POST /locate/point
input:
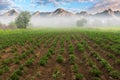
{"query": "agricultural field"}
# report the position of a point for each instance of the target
(59, 54)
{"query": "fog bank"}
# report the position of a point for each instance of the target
(66, 21)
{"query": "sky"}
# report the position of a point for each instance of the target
(74, 6)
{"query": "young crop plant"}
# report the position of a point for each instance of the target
(1, 71)
(55, 74)
(5, 68)
(117, 61)
(96, 78)
(106, 65)
(17, 61)
(95, 72)
(13, 49)
(29, 62)
(49, 55)
(61, 51)
(51, 51)
(14, 76)
(43, 61)
(80, 47)
(24, 55)
(7, 61)
(72, 58)
(70, 49)
(111, 56)
(115, 74)
(79, 76)
(17, 73)
(75, 68)
(90, 63)
(60, 59)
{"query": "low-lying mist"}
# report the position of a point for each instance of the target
(66, 21)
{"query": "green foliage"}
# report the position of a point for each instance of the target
(55, 74)
(115, 74)
(96, 78)
(61, 51)
(80, 47)
(106, 65)
(17, 61)
(79, 76)
(71, 49)
(29, 62)
(1, 71)
(60, 59)
(75, 68)
(118, 61)
(43, 61)
(111, 56)
(14, 76)
(72, 58)
(95, 72)
(23, 19)
(6, 62)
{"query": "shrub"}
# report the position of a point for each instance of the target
(60, 59)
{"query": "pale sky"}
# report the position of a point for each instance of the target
(51, 5)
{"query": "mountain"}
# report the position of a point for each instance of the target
(61, 12)
(12, 12)
(37, 13)
(44, 14)
(117, 13)
(82, 13)
(106, 13)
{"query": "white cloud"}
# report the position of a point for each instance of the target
(58, 2)
(105, 4)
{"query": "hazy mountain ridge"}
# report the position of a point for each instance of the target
(11, 12)
(61, 12)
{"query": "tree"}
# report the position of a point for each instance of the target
(23, 19)
(81, 22)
